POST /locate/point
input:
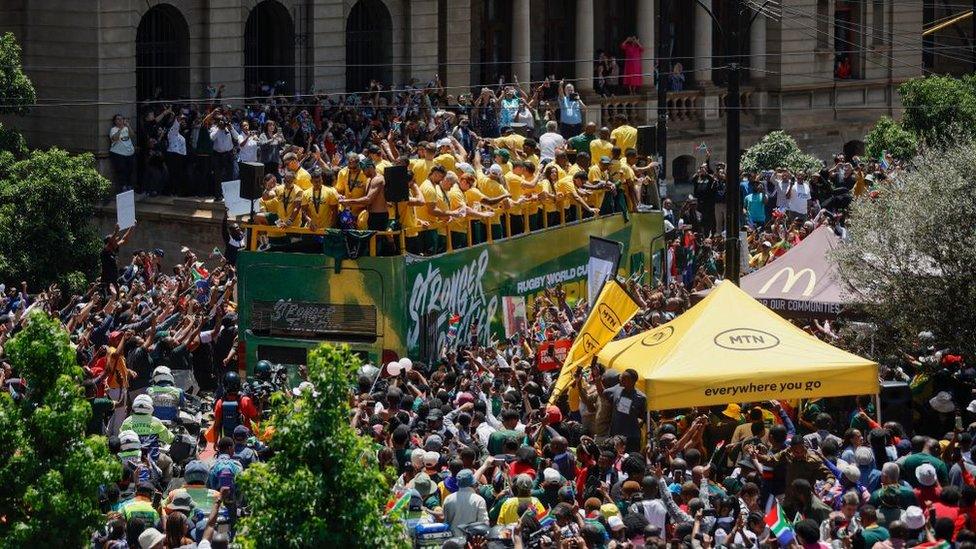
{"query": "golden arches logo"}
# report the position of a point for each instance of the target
(792, 277)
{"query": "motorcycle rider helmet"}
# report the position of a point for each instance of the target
(232, 382)
(142, 404)
(129, 441)
(162, 374)
(262, 370)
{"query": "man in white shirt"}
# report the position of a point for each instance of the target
(784, 182)
(465, 506)
(223, 148)
(175, 152)
(550, 141)
(799, 197)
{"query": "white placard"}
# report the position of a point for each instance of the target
(125, 209)
(232, 198)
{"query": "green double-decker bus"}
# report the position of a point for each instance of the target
(389, 307)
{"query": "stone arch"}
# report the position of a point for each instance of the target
(269, 48)
(162, 54)
(369, 45)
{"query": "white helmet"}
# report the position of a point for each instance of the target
(129, 440)
(143, 404)
(163, 374)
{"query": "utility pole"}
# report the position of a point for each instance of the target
(664, 52)
(733, 202)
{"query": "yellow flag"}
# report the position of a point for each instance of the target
(612, 309)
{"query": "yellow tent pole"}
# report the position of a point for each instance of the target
(952, 21)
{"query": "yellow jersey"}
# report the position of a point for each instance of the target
(514, 184)
(456, 199)
(625, 137)
(421, 169)
(303, 179)
(352, 186)
(491, 189)
(600, 148)
(286, 200)
(595, 200)
(322, 205)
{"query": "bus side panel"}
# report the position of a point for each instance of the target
(312, 279)
(467, 287)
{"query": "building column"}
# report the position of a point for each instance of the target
(757, 48)
(703, 45)
(224, 48)
(521, 45)
(646, 24)
(584, 45)
(423, 39)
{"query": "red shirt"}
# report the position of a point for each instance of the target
(246, 407)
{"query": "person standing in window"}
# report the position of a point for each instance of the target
(121, 152)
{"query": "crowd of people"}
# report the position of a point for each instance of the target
(476, 456)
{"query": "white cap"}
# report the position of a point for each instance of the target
(431, 459)
(551, 475)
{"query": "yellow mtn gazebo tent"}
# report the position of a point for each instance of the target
(731, 348)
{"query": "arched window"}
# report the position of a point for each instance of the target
(269, 49)
(854, 147)
(162, 55)
(369, 46)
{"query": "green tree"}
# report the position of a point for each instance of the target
(939, 108)
(47, 201)
(16, 90)
(50, 471)
(319, 489)
(911, 254)
(888, 135)
(775, 150)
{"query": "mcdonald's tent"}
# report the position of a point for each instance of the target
(801, 283)
(731, 348)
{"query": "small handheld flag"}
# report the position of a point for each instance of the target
(779, 525)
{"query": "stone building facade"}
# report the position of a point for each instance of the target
(91, 59)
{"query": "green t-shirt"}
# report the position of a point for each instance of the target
(581, 143)
(101, 409)
(496, 440)
(874, 534)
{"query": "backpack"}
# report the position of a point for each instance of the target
(230, 417)
(225, 478)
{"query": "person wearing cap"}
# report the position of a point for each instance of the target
(195, 476)
(924, 454)
(351, 182)
(522, 496)
(426, 488)
(320, 203)
(465, 506)
(449, 153)
(151, 538)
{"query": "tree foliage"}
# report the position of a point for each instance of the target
(49, 470)
(911, 255)
(938, 109)
(776, 150)
(16, 90)
(888, 135)
(47, 201)
(318, 490)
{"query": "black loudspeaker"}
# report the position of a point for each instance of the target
(896, 403)
(647, 140)
(252, 176)
(395, 187)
